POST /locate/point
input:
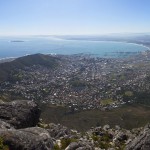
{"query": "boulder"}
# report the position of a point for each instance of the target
(142, 142)
(58, 131)
(121, 136)
(80, 146)
(106, 127)
(34, 138)
(72, 146)
(20, 113)
(4, 125)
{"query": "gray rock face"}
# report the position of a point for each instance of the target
(58, 131)
(121, 136)
(4, 125)
(34, 138)
(80, 146)
(142, 142)
(106, 127)
(72, 146)
(23, 114)
(20, 113)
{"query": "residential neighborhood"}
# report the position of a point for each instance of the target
(82, 82)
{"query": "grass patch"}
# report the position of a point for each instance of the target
(107, 102)
(127, 116)
(128, 93)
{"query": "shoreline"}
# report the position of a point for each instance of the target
(7, 59)
(111, 41)
(148, 48)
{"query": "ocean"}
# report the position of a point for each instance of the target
(21, 46)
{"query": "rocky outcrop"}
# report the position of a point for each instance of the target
(17, 131)
(142, 142)
(58, 131)
(34, 138)
(20, 113)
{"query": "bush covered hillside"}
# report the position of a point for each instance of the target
(8, 68)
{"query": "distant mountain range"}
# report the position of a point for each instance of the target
(139, 38)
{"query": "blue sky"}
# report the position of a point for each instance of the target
(54, 17)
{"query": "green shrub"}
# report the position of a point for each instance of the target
(2, 145)
(56, 147)
(66, 142)
(102, 141)
(104, 145)
(95, 138)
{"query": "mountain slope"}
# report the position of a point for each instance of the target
(27, 61)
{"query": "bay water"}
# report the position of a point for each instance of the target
(20, 46)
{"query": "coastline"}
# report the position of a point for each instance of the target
(7, 59)
(114, 41)
(147, 48)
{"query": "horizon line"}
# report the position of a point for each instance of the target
(103, 34)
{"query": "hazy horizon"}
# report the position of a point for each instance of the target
(104, 34)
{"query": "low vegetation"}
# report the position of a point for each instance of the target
(127, 116)
(2, 145)
(129, 93)
(107, 102)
